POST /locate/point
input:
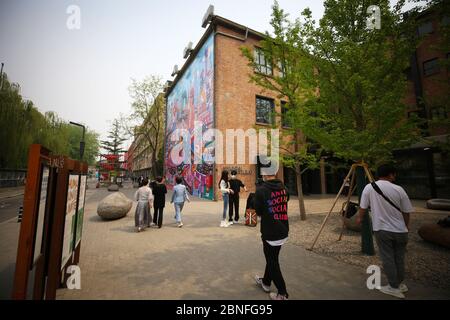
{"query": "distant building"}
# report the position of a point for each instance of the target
(140, 152)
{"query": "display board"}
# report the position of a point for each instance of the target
(69, 226)
(80, 211)
(40, 219)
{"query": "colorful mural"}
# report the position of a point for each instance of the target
(192, 101)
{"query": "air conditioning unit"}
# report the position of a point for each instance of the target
(208, 16)
(175, 70)
(187, 50)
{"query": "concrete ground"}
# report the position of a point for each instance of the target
(199, 261)
(203, 261)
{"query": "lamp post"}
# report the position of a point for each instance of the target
(1, 77)
(82, 143)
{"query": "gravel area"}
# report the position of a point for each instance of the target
(425, 263)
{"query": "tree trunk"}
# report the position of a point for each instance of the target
(366, 225)
(299, 142)
(301, 200)
(154, 168)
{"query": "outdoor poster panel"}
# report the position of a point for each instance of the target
(41, 214)
(80, 211)
(69, 226)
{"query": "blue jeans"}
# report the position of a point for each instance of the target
(178, 208)
(226, 200)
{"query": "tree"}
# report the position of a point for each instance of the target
(357, 111)
(22, 124)
(147, 118)
(113, 146)
(291, 80)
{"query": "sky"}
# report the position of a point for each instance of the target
(84, 74)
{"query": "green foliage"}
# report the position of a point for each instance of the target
(359, 113)
(345, 83)
(115, 139)
(22, 124)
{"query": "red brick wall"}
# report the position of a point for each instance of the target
(235, 96)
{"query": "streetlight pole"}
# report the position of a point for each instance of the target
(1, 77)
(82, 143)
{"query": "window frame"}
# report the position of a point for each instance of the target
(272, 105)
(267, 66)
(434, 71)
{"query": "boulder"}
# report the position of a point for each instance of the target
(113, 188)
(436, 234)
(114, 206)
(439, 204)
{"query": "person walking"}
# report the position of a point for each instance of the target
(179, 196)
(235, 185)
(224, 186)
(159, 193)
(391, 209)
(144, 198)
(271, 204)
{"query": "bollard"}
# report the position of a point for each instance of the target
(19, 217)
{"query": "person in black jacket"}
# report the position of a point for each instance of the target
(271, 204)
(159, 193)
(235, 185)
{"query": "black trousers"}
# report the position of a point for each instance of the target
(158, 216)
(234, 207)
(273, 271)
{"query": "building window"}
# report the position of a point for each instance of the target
(431, 67)
(264, 110)
(284, 119)
(281, 69)
(262, 64)
(439, 113)
(425, 28)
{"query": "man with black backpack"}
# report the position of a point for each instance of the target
(391, 208)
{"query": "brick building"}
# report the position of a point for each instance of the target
(425, 167)
(213, 89)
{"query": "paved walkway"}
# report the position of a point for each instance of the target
(6, 193)
(203, 261)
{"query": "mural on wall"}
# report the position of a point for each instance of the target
(190, 102)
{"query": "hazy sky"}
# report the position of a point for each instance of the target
(84, 75)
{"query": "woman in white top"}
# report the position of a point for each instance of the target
(144, 198)
(224, 186)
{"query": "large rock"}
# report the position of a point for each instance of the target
(114, 206)
(113, 187)
(439, 204)
(436, 234)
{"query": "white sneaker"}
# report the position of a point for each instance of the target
(224, 224)
(392, 292)
(180, 225)
(277, 296)
(403, 288)
(230, 223)
(259, 282)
